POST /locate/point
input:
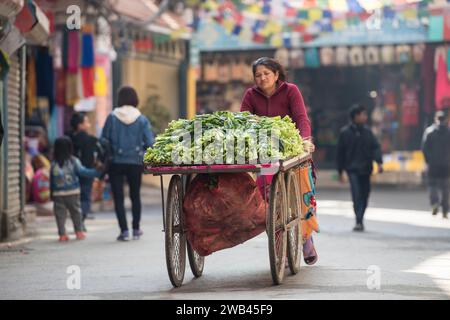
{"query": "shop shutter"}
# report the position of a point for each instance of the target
(14, 190)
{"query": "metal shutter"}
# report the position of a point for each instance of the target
(13, 199)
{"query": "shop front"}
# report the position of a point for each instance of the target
(13, 37)
(387, 61)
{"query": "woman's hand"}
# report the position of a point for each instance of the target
(308, 146)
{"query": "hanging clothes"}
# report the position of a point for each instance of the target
(410, 106)
(87, 50)
(428, 78)
(442, 81)
(31, 85)
(57, 43)
(448, 62)
(88, 78)
(72, 95)
(73, 52)
(60, 87)
(44, 76)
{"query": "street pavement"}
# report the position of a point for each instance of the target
(404, 254)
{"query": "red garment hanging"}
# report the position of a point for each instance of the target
(442, 82)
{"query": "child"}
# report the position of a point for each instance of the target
(65, 186)
(84, 148)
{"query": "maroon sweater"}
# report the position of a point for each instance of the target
(286, 101)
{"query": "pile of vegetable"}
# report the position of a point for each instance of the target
(218, 131)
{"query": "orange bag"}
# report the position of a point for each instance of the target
(309, 206)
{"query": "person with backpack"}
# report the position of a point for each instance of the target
(129, 134)
(65, 172)
(85, 149)
(436, 149)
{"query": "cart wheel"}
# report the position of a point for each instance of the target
(175, 237)
(276, 228)
(196, 261)
(293, 212)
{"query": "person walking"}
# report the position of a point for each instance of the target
(65, 171)
(130, 134)
(84, 148)
(357, 149)
(436, 149)
(273, 96)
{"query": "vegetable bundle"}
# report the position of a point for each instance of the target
(225, 137)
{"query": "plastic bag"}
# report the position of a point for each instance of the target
(222, 211)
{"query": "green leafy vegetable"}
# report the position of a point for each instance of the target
(250, 137)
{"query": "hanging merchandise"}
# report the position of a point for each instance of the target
(210, 70)
(410, 106)
(297, 58)
(101, 82)
(87, 50)
(72, 95)
(247, 70)
(73, 52)
(372, 55)
(31, 85)
(356, 56)
(312, 58)
(388, 54)
(223, 71)
(88, 78)
(442, 80)
(436, 28)
(390, 103)
(448, 62)
(403, 54)
(418, 52)
(342, 56)
(60, 87)
(236, 69)
(57, 50)
(86, 105)
(327, 56)
(282, 56)
(428, 78)
(44, 76)
(447, 26)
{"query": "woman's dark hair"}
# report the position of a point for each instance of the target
(76, 120)
(271, 64)
(356, 110)
(62, 150)
(127, 96)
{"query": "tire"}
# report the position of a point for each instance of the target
(293, 212)
(276, 228)
(175, 238)
(196, 261)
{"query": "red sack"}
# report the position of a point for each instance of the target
(222, 211)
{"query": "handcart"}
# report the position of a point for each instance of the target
(283, 215)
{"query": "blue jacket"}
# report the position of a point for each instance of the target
(64, 181)
(129, 134)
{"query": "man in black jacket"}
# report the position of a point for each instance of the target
(357, 149)
(436, 149)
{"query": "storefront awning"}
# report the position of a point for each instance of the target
(140, 11)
